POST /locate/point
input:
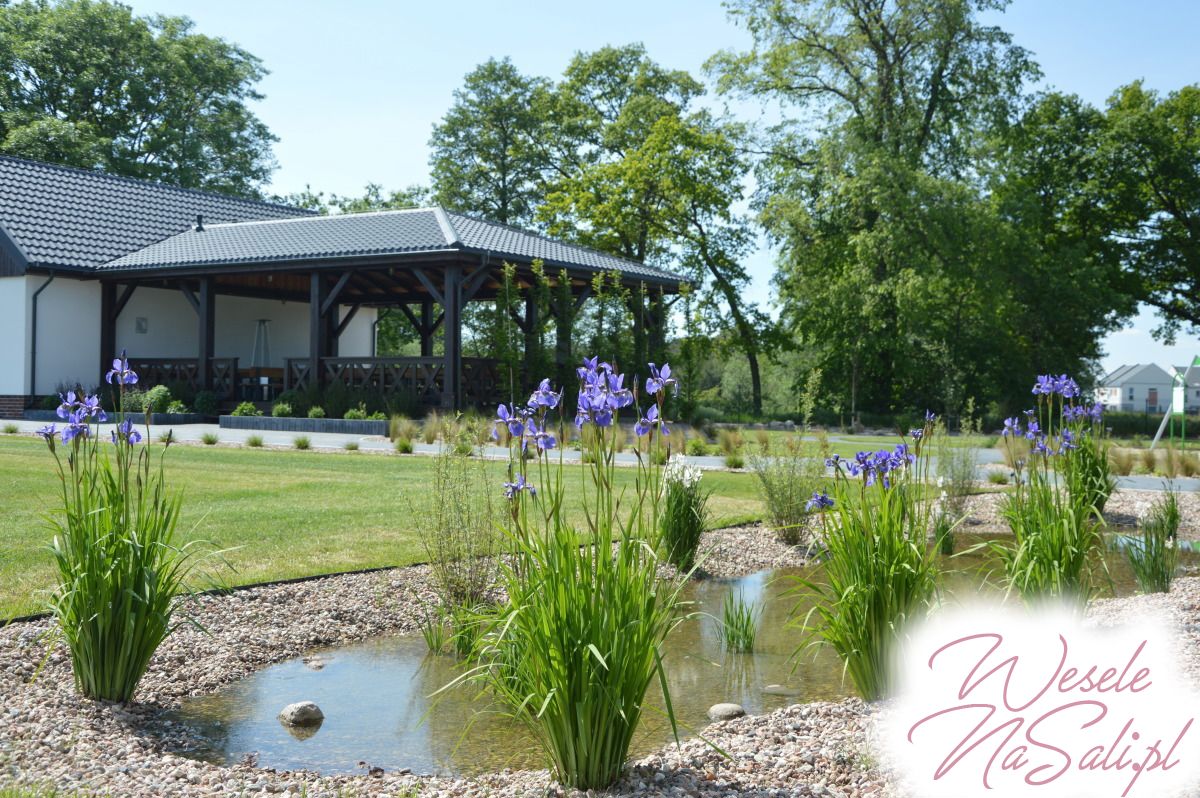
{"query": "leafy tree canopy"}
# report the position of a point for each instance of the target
(86, 83)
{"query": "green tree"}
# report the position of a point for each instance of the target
(1151, 154)
(88, 84)
(487, 156)
(864, 185)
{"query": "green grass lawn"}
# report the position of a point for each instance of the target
(280, 513)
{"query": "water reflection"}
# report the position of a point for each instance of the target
(383, 707)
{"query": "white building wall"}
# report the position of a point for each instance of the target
(68, 336)
(170, 328)
(14, 355)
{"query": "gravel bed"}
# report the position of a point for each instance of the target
(1123, 510)
(51, 736)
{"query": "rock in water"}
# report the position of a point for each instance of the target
(725, 711)
(302, 713)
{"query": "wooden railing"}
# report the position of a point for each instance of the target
(421, 377)
(186, 371)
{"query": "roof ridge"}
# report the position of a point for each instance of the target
(381, 212)
(443, 220)
(556, 241)
(154, 183)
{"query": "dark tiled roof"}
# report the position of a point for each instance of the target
(72, 218)
(365, 235)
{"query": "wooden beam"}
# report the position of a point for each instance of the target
(472, 285)
(123, 300)
(206, 306)
(452, 332)
(334, 293)
(108, 327)
(430, 287)
(316, 327)
(345, 322)
(189, 296)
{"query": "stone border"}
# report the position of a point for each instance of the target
(137, 418)
(341, 426)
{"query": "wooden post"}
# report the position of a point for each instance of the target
(658, 326)
(206, 327)
(452, 335)
(317, 330)
(108, 328)
(426, 328)
(533, 341)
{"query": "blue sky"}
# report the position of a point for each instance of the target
(355, 86)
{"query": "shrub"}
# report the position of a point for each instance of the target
(458, 525)
(281, 410)
(734, 460)
(156, 400)
(176, 407)
(956, 465)
(763, 439)
(404, 446)
(1056, 532)
(205, 403)
(1153, 555)
(730, 441)
(685, 512)
(998, 477)
(1150, 460)
(943, 529)
(1087, 467)
(350, 446)
(696, 447)
(378, 415)
(880, 574)
(166, 436)
(432, 428)
(254, 441)
(580, 638)
(301, 442)
(247, 409)
(120, 569)
(316, 411)
(1189, 464)
(738, 626)
(209, 439)
(11, 429)
(402, 427)
(1122, 461)
(356, 413)
(787, 476)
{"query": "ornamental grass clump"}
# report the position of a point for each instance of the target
(737, 628)
(580, 639)
(1152, 555)
(684, 512)
(120, 569)
(788, 474)
(880, 575)
(1053, 512)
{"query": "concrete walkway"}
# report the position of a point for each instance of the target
(330, 441)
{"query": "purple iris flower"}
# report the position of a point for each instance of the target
(48, 432)
(68, 405)
(930, 416)
(77, 426)
(511, 419)
(1068, 441)
(1095, 412)
(660, 379)
(819, 501)
(544, 396)
(917, 433)
(1012, 426)
(649, 422)
(120, 372)
(832, 462)
(1040, 446)
(126, 433)
(1033, 430)
(541, 438)
(513, 489)
(91, 407)
(1068, 387)
(1045, 385)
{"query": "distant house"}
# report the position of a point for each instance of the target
(244, 299)
(1192, 390)
(1140, 388)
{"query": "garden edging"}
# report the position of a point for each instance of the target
(343, 426)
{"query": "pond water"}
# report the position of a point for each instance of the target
(381, 711)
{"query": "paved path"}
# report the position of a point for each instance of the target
(193, 433)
